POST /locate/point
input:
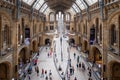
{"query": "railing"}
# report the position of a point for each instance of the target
(8, 55)
(5, 52)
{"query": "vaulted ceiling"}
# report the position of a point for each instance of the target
(60, 5)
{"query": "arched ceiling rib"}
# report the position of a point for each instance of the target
(43, 5)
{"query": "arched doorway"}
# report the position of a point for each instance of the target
(71, 42)
(97, 62)
(4, 71)
(115, 71)
(22, 58)
(47, 41)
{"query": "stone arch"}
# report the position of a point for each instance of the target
(114, 70)
(5, 32)
(97, 55)
(113, 15)
(8, 16)
(5, 72)
(22, 56)
(97, 60)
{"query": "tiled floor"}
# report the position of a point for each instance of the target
(47, 63)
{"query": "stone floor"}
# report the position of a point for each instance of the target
(49, 63)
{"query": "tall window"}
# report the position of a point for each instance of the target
(59, 14)
(97, 30)
(51, 27)
(19, 34)
(83, 28)
(67, 16)
(33, 28)
(100, 33)
(6, 37)
(56, 17)
(52, 17)
(113, 34)
(23, 28)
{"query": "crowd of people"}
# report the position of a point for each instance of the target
(47, 74)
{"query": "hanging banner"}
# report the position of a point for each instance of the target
(92, 36)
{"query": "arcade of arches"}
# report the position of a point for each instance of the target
(91, 26)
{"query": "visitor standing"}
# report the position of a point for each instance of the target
(42, 73)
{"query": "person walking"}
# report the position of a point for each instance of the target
(90, 73)
(48, 54)
(77, 59)
(75, 78)
(77, 65)
(45, 72)
(50, 73)
(73, 70)
(37, 70)
(29, 77)
(46, 78)
(74, 55)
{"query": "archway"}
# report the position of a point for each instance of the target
(114, 70)
(4, 71)
(97, 55)
(47, 41)
(22, 57)
(97, 62)
(71, 41)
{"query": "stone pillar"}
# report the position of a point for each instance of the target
(15, 54)
(105, 37)
(0, 35)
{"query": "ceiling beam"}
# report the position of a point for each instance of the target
(33, 3)
(45, 9)
(74, 9)
(42, 5)
(77, 6)
(86, 3)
